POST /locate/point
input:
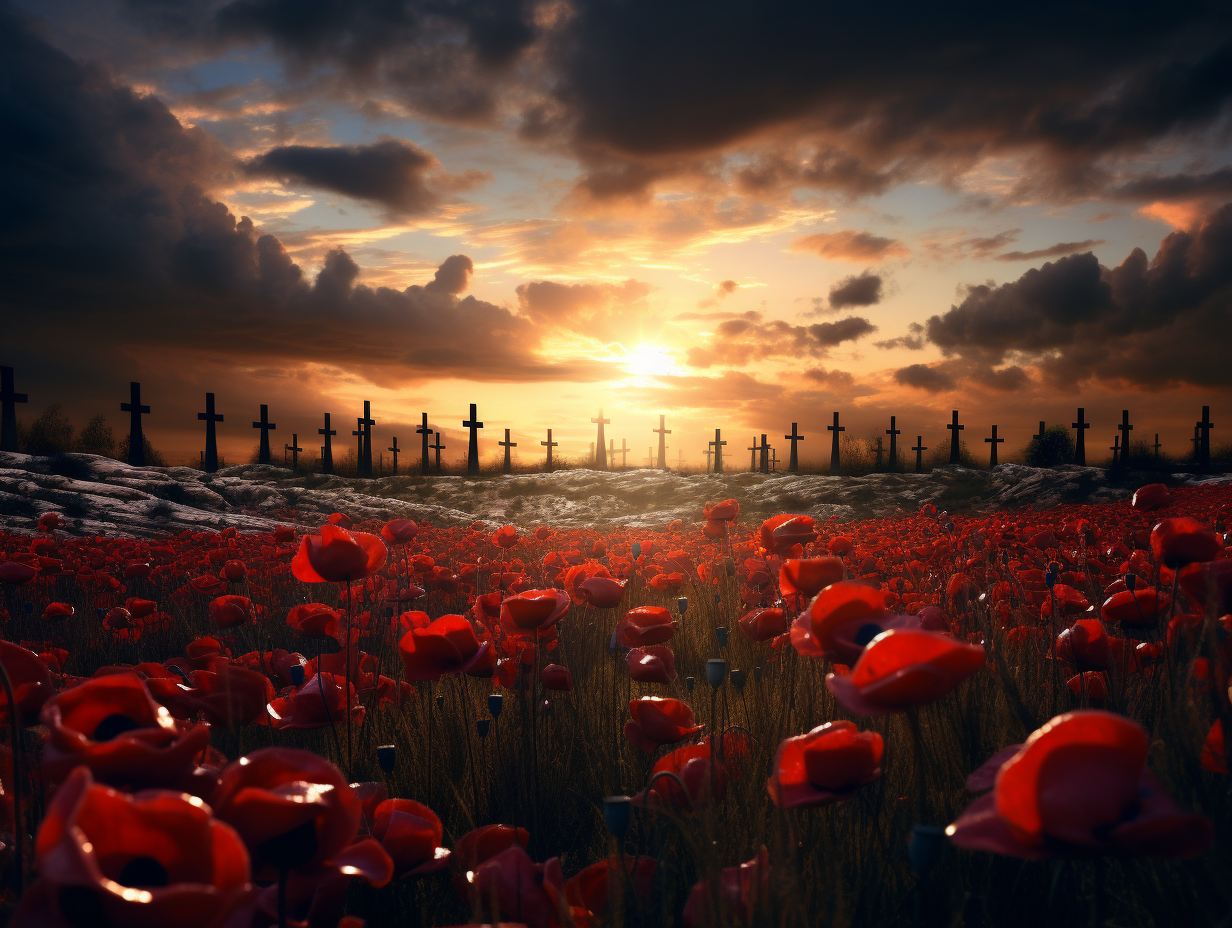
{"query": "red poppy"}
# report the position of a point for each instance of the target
(1086, 645)
(411, 834)
(229, 695)
(57, 611)
(474, 847)
(314, 620)
(338, 555)
(524, 891)
(742, 890)
(140, 608)
(340, 519)
(533, 610)
(691, 766)
(654, 663)
(399, 531)
(153, 859)
(229, 611)
(657, 720)
(847, 615)
(601, 592)
(824, 766)
(1151, 496)
(1092, 683)
(645, 625)
(447, 645)
(505, 537)
(809, 576)
(1214, 755)
(902, 668)
(234, 571)
(1208, 585)
(113, 726)
(556, 677)
(587, 893)
(1079, 786)
(31, 680)
(726, 511)
(49, 521)
(1138, 607)
(782, 533)
(1183, 540)
(763, 624)
(323, 699)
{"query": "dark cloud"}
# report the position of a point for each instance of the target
(745, 339)
(830, 379)
(1148, 322)
(1215, 184)
(725, 287)
(849, 245)
(389, 173)
(912, 342)
(924, 377)
(857, 290)
(454, 276)
(1052, 251)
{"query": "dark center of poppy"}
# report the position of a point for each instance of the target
(144, 872)
(867, 633)
(115, 725)
(291, 849)
(80, 907)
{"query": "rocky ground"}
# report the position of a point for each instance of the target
(98, 495)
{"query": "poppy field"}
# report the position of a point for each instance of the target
(1012, 718)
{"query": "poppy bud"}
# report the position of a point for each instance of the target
(618, 814)
(717, 599)
(481, 727)
(682, 604)
(1131, 581)
(495, 702)
(297, 675)
(636, 550)
(440, 702)
(27, 608)
(738, 679)
(721, 634)
(689, 683)
(757, 672)
(949, 526)
(924, 847)
(386, 757)
(716, 670)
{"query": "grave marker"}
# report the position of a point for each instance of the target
(263, 456)
(136, 439)
(210, 461)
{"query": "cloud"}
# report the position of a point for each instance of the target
(723, 390)
(1052, 251)
(1217, 184)
(830, 379)
(739, 341)
(726, 287)
(912, 342)
(849, 245)
(925, 377)
(857, 290)
(603, 311)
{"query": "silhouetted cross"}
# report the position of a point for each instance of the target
(835, 466)
(954, 428)
(266, 427)
(394, 450)
(994, 441)
(295, 449)
(211, 437)
(136, 439)
(793, 463)
(8, 420)
(600, 449)
(662, 432)
(327, 450)
(549, 444)
(919, 450)
(472, 452)
(507, 444)
(1080, 444)
(425, 432)
(893, 432)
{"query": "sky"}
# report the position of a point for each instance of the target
(736, 215)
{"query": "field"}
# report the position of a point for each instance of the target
(490, 679)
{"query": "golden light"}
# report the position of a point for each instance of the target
(648, 359)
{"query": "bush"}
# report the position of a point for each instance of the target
(97, 438)
(153, 457)
(1052, 449)
(51, 433)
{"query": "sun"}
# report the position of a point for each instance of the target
(646, 359)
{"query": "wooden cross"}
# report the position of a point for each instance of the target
(1080, 444)
(624, 455)
(679, 459)
(136, 439)
(663, 433)
(879, 451)
(366, 423)
(295, 449)
(394, 449)
(793, 463)
(472, 451)
(1040, 437)
(211, 437)
(1156, 444)
(994, 441)
(954, 428)
(425, 432)
(835, 467)
(358, 435)
(1115, 448)
(600, 448)
(893, 432)
(8, 421)
(752, 449)
(718, 444)
(1125, 428)
(650, 458)
(549, 444)
(774, 460)
(439, 448)
(919, 450)
(266, 427)
(763, 461)
(327, 449)
(507, 444)
(709, 452)
(611, 451)
(1204, 448)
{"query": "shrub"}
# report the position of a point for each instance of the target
(51, 433)
(1052, 449)
(97, 438)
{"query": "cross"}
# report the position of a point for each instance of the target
(211, 438)
(327, 450)
(650, 458)
(1195, 441)
(600, 448)
(136, 440)
(295, 449)
(439, 448)
(774, 460)
(366, 423)
(358, 435)
(394, 450)
(1040, 437)
(752, 449)
(954, 428)
(679, 459)
(994, 441)
(663, 432)
(266, 427)
(1080, 446)
(880, 451)
(709, 452)
(834, 461)
(8, 423)
(793, 463)
(1115, 449)
(624, 455)
(763, 462)
(919, 450)
(1124, 428)
(611, 451)
(1156, 444)
(507, 444)
(1204, 448)
(549, 444)
(718, 451)
(425, 432)
(592, 453)
(893, 432)
(472, 452)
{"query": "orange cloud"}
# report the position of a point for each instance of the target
(850, 245)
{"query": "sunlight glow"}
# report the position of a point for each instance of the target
(650, 359)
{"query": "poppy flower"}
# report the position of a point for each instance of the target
(1092, 683)
(763, 624)
(657, 720)
(49, 521)
(846, 616)
(447, 645)
(505, 537)
(340, 519)
(234, 571)
(645, 625)
(533, 610)
(140, 608)
(824, 766)
(809, 576)
(292, 808)
(314, 620)
(587, 893)
(691, 766)
(523, 891)
(399, 531)
(1079, 786)
(1139, 607)
(1183, 540)
(1086, 645)
(742, 890)
(57, 611)
(726, 511)
(113, 726)
(338, 555)
(654, 663)
(322, 699)
(15, 573)
(601, 592)
(411, 834)
(902, 668)
(31, 680)
(1151, 496)
(556, 677)
(230, 611)
(474, 847)
(1214, 755)
(149, 860)
(1208, 585)
(229, 696)
(780, 534)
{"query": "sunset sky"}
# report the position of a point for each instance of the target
(737, 215)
